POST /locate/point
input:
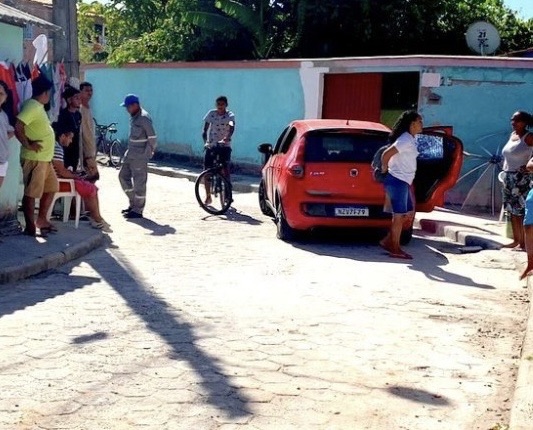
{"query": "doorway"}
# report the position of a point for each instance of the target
(377, 97)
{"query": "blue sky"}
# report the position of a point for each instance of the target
(525, 7)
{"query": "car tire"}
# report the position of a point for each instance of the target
(284, 231)
(407, 236)
(263, 205)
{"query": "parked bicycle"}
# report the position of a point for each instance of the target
(213, 189)
(107, 145)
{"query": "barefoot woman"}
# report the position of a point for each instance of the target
(516, 153)
(399, 161)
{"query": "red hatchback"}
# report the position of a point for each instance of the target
(319, 175)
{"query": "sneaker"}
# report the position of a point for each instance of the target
(125, 211)
(133, 215)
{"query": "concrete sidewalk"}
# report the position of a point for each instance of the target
(23, 256)
(241, 183)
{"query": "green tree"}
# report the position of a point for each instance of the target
(272, 26)
(187, 30)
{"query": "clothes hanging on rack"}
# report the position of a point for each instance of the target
(7, 75)
(23, 83)
(19, 78)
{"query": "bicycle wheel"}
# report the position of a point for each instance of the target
(115, 153)
(213, 192)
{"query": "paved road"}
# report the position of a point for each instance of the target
(194, 322)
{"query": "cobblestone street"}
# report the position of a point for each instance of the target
(189, 321)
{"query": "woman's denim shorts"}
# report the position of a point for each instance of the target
(399, 195)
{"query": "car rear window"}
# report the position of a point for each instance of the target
(343, 147)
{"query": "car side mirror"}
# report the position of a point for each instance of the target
(265, 149)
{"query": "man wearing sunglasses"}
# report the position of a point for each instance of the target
(219, 125)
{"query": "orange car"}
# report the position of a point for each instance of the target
(319, 175)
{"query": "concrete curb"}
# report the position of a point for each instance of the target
(51, 261)
(240, 187)
(468, 236)
(522, 407)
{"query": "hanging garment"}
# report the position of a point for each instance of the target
(41, 49)
(7, 75)
(23, 84)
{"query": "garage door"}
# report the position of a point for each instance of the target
(352, 96)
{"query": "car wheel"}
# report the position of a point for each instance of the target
(263, 205)
(407, 236)
(284, 231)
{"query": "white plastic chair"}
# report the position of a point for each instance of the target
(67, 197)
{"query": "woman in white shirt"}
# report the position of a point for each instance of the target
(516, 181)
(399, 162)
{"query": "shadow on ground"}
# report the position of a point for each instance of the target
(234, 215)
(428, 253)
(14, 298)
(155, 228)
(418, 396)
(162, 319)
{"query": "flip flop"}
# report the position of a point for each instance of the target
(47, 230)
(402, 256)
(385, 247)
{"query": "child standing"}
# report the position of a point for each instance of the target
(6, 130)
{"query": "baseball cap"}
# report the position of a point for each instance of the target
(130, 100)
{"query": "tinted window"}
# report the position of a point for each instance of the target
(280, 140)
(342, 147)
(288, 141)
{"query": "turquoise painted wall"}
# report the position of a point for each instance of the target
(479, 102)
(11, 38)
(263, 100)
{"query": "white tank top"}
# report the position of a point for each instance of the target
(516, 153)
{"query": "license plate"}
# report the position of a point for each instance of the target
(352, 212)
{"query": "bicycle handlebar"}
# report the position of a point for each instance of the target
(101, 126)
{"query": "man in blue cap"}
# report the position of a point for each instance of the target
(141, 147)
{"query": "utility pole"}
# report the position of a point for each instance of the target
(65, 15)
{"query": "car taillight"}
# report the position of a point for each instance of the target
(297, 170)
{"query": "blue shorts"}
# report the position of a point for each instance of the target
(528, 218)
(399, 195)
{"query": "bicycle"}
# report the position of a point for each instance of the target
(107, 145)
(220, 197)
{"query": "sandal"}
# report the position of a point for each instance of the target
(102, 225)
(401, 255)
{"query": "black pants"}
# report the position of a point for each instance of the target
(211, 153)
(72, 156)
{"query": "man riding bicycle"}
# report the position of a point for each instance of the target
(219, 125)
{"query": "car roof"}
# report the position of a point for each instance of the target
(325, 124)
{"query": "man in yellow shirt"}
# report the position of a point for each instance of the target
(36, 135)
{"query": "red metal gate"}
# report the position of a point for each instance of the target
(352, 96)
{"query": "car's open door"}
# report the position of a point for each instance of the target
(439, 166)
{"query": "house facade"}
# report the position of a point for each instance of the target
(475, 95)
(12, 24)
(38, 8)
